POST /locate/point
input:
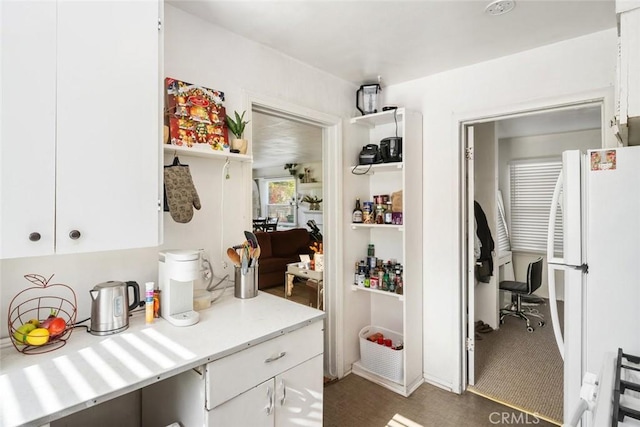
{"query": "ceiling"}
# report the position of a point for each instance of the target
(277, 140)
(361, 41)
(400, 40)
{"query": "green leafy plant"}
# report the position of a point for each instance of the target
(291, 167)
(310, 199)
(236, 127)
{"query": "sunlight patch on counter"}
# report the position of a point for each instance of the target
(152, 353)
(11, 410)
(128, 360)
(102, 368)
(169, 344)
(74, 378)
(46, 394)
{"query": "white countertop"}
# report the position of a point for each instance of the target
(89, 369)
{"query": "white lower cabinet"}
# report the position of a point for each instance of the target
(275, 383)
(293, 398)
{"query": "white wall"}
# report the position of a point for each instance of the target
(197, 52)
(547, 75)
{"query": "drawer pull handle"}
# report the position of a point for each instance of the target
(284, 393)
(269, 408)
(274, 358)
(35, 236)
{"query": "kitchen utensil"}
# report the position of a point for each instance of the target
(110, 306)
(255, 256)
(245, 261)
(251, 238)
(233, 256)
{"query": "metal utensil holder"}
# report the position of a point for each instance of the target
(246, 285)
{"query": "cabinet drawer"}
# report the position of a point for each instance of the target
(234, 374)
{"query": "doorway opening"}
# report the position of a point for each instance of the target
(324, 133)
(509, 168)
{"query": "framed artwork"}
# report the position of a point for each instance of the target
(196, 115)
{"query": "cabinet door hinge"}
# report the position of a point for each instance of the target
(159, 24)
(470, 344)
(159, 205)
(468, 153)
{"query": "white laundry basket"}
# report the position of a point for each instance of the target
(380, 359)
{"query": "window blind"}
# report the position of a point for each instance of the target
(504, 245)
(532, 184)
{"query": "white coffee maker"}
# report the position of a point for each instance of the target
(178, 269)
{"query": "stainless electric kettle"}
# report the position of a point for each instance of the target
(110, 306)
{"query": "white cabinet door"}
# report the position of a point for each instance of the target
(255, 408)
(299, 395)
(27, 128)
(107, 125)
(293, 398)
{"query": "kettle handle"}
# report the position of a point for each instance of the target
(358, 92)
(136, 294)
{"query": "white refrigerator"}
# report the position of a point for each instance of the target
(598, 194)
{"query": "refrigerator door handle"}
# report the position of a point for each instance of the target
(553, 306)
(552, 265)
(551, 231)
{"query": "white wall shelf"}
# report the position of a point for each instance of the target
(203, 150)
(377, 119)
(393, 226)
(377, 291)
(402, 313)
(309, 185)
(376, 168)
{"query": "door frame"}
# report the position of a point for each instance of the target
(603, 97)
(332, 213)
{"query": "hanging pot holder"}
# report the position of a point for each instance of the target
(180, 193)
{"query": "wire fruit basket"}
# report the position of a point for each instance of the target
(42, 317)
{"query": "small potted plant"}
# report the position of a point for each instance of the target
(291, 167)
(236, 127)
(314, 202)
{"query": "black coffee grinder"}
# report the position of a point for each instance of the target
(391, 149)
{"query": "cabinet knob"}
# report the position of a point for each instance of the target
(35, 236)
(74, 234)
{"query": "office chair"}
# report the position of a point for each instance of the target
(520, 289)
(259, 224)
(271, 224)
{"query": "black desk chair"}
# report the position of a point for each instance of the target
(520, 289)
(271, 224)
(259, 224)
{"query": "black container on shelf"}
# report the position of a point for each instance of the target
(391, 149)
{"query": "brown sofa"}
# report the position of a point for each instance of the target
(277, 249)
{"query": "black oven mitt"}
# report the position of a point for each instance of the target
(180, 193)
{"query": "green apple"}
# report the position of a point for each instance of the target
(21, 333)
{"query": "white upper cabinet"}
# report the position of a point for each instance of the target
(628, 90)
(80, 126)
(27, 128)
